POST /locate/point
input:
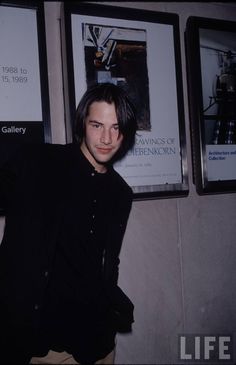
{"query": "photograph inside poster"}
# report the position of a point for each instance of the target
(115, 54)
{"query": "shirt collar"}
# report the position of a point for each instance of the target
(88, 168)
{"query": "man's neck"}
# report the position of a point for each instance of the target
(100, 168)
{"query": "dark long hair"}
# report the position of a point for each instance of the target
(125, 111)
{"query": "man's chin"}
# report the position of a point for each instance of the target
(104, 157)
(103, 161)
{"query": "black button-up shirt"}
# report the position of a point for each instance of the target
(75, 283)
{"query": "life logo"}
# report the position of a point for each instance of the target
(207, 349)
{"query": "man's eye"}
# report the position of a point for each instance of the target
(116, 127)
(96, 125)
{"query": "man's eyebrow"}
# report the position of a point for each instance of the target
(96, 121)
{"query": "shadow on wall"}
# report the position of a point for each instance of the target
(2, 223)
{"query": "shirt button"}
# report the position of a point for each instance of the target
(46, 273)
(95, 200)
(93, 174)
(93, 216)
(91, 231)
(36, 307)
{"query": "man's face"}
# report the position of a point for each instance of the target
(102, 138)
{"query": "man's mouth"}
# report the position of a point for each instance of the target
(104, 150)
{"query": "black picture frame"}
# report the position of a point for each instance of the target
(211, 73)
(134, 32)
(24, 93)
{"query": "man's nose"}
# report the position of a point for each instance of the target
(106, 136)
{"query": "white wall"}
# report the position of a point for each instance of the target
(178, 256)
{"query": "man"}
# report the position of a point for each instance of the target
(66, 214)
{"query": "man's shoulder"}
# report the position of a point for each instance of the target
(47, 151)
(120, 184)
(53, 149)
(34, 149)
(43, 156)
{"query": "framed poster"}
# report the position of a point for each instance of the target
(211, 63)
(24, 99)
(139, 50)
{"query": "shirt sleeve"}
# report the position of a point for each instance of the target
(116, 234)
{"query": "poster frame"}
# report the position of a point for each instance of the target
(156, 190)
(198, 30)
(36, 131)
